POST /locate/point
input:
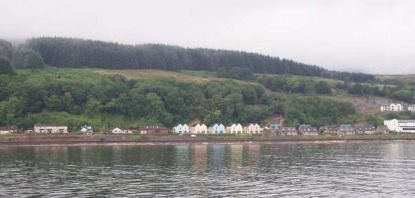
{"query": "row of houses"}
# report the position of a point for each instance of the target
(397, 107)
(63, 129)
(278, 129)
(349, 129)
(304, 129)
(38, 128)
(145, 130)
(342, 129)
(59, 129)
(407, 126)
(218, 128)
(45, 129)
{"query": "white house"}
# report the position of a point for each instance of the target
(253, 128)
(8, 130)
(43, 128)
(411, 108)
(217, 129)
(235, 129)
(199, 129)
(405, 126)
(393, 107)
(117, 130)
(86, 129)
(181, 129)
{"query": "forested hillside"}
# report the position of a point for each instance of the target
(211, 92)
(79, 96)
(69, 52)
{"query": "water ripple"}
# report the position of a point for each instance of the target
(239, 170)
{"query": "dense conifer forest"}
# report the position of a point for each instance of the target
(69, 52)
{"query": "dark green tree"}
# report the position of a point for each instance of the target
(6, 49)
(28, 59)
(5, 66)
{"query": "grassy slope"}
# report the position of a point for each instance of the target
(311, 78)
(186, 75)
(405, 79)
(333, 82)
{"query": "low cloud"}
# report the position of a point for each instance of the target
(349, 35)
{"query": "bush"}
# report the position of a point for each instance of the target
(322, 88)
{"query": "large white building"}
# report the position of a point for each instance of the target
(393, 107)
(406, 126)
(43, 128)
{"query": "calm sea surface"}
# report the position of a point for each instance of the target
(372, 169)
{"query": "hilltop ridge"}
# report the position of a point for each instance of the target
(72, 52)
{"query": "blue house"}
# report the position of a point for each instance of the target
(217, 129)
(181, 129)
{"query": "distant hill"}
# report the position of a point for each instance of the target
(70, 52)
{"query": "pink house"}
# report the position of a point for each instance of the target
(253, 128)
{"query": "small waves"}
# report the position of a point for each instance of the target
(211, 170)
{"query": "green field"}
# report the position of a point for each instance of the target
(148, 74)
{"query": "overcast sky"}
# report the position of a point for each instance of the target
(375, 36)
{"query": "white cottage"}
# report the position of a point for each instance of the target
(86, 129)
(117, 130)
(411, 108)
(234, 129)
(199, 129)
(253, 128)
